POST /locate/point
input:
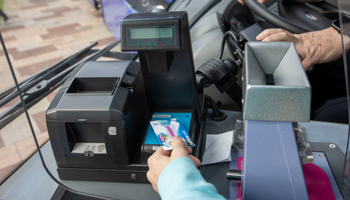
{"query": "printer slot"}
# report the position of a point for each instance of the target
(93, 85)
(83, 132)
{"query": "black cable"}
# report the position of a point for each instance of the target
(16, 110)
(213, 105)
(217, 115)
(223, 42)
(34, 136)
(199, 151)
(39, 76)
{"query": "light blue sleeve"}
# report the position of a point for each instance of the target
(181, 180)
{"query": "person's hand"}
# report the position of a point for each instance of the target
(161, 158)
(313, 47)
(273, 34)
(262, 2)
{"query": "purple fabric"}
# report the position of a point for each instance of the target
(114, 12)
(317, 183)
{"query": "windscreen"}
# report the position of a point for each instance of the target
(344, 22)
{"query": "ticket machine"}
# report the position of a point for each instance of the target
(99, 120)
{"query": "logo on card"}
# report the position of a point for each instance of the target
(155, 148)
(164, 123)
(155, 123)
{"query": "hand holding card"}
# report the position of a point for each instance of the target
(167, 129)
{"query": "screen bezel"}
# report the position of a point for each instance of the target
(146, 23)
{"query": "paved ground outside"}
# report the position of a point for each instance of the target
(38, 34)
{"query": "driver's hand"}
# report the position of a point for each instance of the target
(161, 158)
(262, 2)
(313, 47)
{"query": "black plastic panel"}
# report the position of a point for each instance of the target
(176, 20)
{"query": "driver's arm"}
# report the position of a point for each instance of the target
(313, 47)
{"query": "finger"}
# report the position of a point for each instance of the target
(283, 36)
(162, 152)
(150, 177)
(306, 63)
(152, 180)
(268, 32)
(189, 150)
(241, 2)
(262, 2)
(148, 174)
(195, 160)
(155, 187)
(149, 162)
(178, 148)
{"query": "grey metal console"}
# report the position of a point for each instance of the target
(31, 182)
(276, 92)
(275, 85)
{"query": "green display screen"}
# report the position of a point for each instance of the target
(151, 33)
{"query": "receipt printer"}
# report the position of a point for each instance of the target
(96, 121)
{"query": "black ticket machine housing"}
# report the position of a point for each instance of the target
(100, 117)
(164, 47)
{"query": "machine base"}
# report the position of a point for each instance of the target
(131, 174)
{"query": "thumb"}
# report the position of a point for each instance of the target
(306, 63)
(178, 148)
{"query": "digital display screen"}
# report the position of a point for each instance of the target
(151, 33)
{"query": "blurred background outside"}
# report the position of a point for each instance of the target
(37, 34)
(40, 33)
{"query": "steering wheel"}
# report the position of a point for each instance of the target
(307, 18)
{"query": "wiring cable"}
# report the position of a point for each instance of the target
(34, 136)
(223, 42)
(217, 115)
(224, 39)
